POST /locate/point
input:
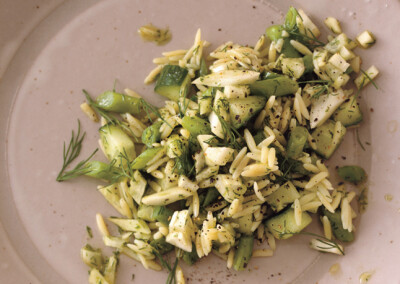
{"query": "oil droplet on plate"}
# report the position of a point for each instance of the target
(388, 197)
(334, 269)
(365, 277)
(392, 126)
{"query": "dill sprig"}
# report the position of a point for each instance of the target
(307, 40)
(89, 232)
(149, 108)
(107, 116)
(172, 270)
(369, 79)
(329, 244)
(70, 153)
(128, 172)
(231, 135)
(359, 141)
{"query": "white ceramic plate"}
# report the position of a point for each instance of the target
(50, 50)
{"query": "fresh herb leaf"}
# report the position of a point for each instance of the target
(107, 116)
(89, 231)
(330, 244)
(70, 153)
(231, 135)
(370, 79)
(359, 141)
(149, 108)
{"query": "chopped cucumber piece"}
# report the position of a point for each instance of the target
(92, 257)
(366, 39)
(283, 226)
(297, 142)
(366, 77)
(145, 212)
(327, 138)
(283, 196)
(349, 113)
(116, 143)
(279, 86)
(245, 223)
(354, 174)
(337, 227)
(196, 125)
(333, 24)
(243, 252)
(242, 110)
(229, 187)
(173, 83)
(324, 106)
(293, 67)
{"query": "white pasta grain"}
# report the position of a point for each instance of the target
(311, 168)
(316, 179)
(336, 200)
(132, 93)
(153, 74)
(264, 155)
(327, 228)
(89, 111)
(258, 192)
(325, 202)
(311, 206)
(237, 159)
(231, 256)
(297, 212)
(157, 164)
(101, 225)
(271, 240)
(125, 208)
(243, 163)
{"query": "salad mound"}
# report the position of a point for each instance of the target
(235, 156)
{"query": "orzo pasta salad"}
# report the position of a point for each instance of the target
(236, 155)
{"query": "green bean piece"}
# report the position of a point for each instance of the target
(288, 50)
(211, 196)
(101, 170)
(196, 125)
(190, 257)
(116, 102)
(140, 162)
(337, 226)
(152, 134)
(353, 174)
(297, 141)
(308, 63)
(290, 19)
(279, 86)
(274, 32)
(162, 214)
(243, 252)
(161, 246)
(203, 71)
